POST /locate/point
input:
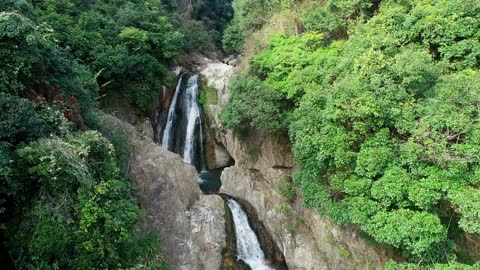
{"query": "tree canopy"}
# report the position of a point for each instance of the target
(64, 201)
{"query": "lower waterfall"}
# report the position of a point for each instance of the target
(248, 247)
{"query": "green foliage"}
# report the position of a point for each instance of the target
(250, 13)
(215, 14)
(22, 6)
(232, 40)
(283, 208)
(134, 38)
(208, 96)
(344, 252)
(117, 135)
(415, 232)
(392, 265)
(287, 190)
(291, 228)
(467, 201)
(287, 62)
(254, 103)
(334, 17)
(197, 37)
(449, 36)
(63, 201)
(22, 121)
(18, 51)
(129, 43)
(81, 215)
(151, 255)
(381, 103)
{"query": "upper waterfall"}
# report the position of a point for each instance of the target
(184, 132)
(194, 123)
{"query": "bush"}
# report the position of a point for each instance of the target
(197, 37)
(22, 121)
(19, 49)
(287, 189)
(232, 41)
(81, 214)
(415, 232)
(255, 104)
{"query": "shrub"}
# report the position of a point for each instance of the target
(287, 189)
(253, 103)
(232, 41)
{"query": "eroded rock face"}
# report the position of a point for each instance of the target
(208, 229)
(192, 225)
(216, 154)
(217, 74)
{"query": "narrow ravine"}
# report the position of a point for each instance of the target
(184, 134)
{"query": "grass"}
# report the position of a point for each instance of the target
(283, 208)
(344, 252)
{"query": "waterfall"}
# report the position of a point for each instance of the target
(248, 247)
(167, 132)
(184, 134)
(193, 120)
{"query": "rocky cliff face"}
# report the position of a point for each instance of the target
(192, 225)
(262, 165)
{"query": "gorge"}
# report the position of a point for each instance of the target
(184, 133)
(240, 134)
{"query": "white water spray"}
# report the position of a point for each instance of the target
(167, 133)
(248, 247)
(193, 119)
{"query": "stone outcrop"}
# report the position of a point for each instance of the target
(216, 154)
(262, 164)
(191, 224)
(216, 73)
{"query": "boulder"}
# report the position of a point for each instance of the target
(191, 224)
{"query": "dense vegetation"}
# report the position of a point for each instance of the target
(381, 103)
(64, 201)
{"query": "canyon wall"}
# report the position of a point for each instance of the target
(263, 164)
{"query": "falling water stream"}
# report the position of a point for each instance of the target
(167, 133)
(194, 120)
(184, 134)
(248, 247)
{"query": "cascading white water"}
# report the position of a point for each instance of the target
(248, 247)
(167, 133)
(193, 118)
